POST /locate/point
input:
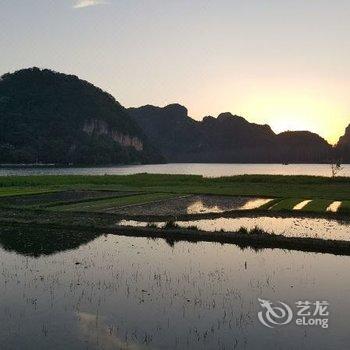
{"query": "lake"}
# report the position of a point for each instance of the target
(115, 292)
(207, 170)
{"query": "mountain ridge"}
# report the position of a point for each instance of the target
(226, 138)
(51, 117)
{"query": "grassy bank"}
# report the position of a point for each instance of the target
(310, 187)
(49, 238)
(108, 193)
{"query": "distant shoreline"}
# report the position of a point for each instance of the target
(59, 165)
(199, 169)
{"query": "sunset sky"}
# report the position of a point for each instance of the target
(281, 62)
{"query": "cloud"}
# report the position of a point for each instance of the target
(93, 327)
(85, 3)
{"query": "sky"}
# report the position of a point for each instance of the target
(285, 63)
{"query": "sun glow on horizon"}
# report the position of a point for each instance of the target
(320, 112)
(281, 63)
(317, 116)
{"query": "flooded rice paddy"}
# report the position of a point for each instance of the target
(198, 204)
(289, 227)
(115, 292)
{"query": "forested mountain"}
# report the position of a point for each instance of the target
(177, 136)
(51, 117)
(227, 138)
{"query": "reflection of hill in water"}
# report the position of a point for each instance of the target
(34, 241)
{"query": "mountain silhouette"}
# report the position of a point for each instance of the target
(51, 117)
(343, 147)
(227, 138)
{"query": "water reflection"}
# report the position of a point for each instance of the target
(254, 203)
(198, 204)
(98, 334)
(290, 227)
(33, 241)
(287, 226)
(302, 204)
(334, 207)
(137, 293)
(200, 207)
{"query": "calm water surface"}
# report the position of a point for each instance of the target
(289, 227)
(208, 170)
(115, 292)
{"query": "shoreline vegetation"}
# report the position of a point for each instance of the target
(111, 165)
(83, 203)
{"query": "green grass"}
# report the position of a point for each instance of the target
(287, 190)
(317, 205)
(311, 187)
(110, 203)
(344, 207)
(286, 204)
(23, 191)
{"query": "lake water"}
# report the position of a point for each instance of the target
(208, 170)
(115, 292)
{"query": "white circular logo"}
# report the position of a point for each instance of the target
(274, 315)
